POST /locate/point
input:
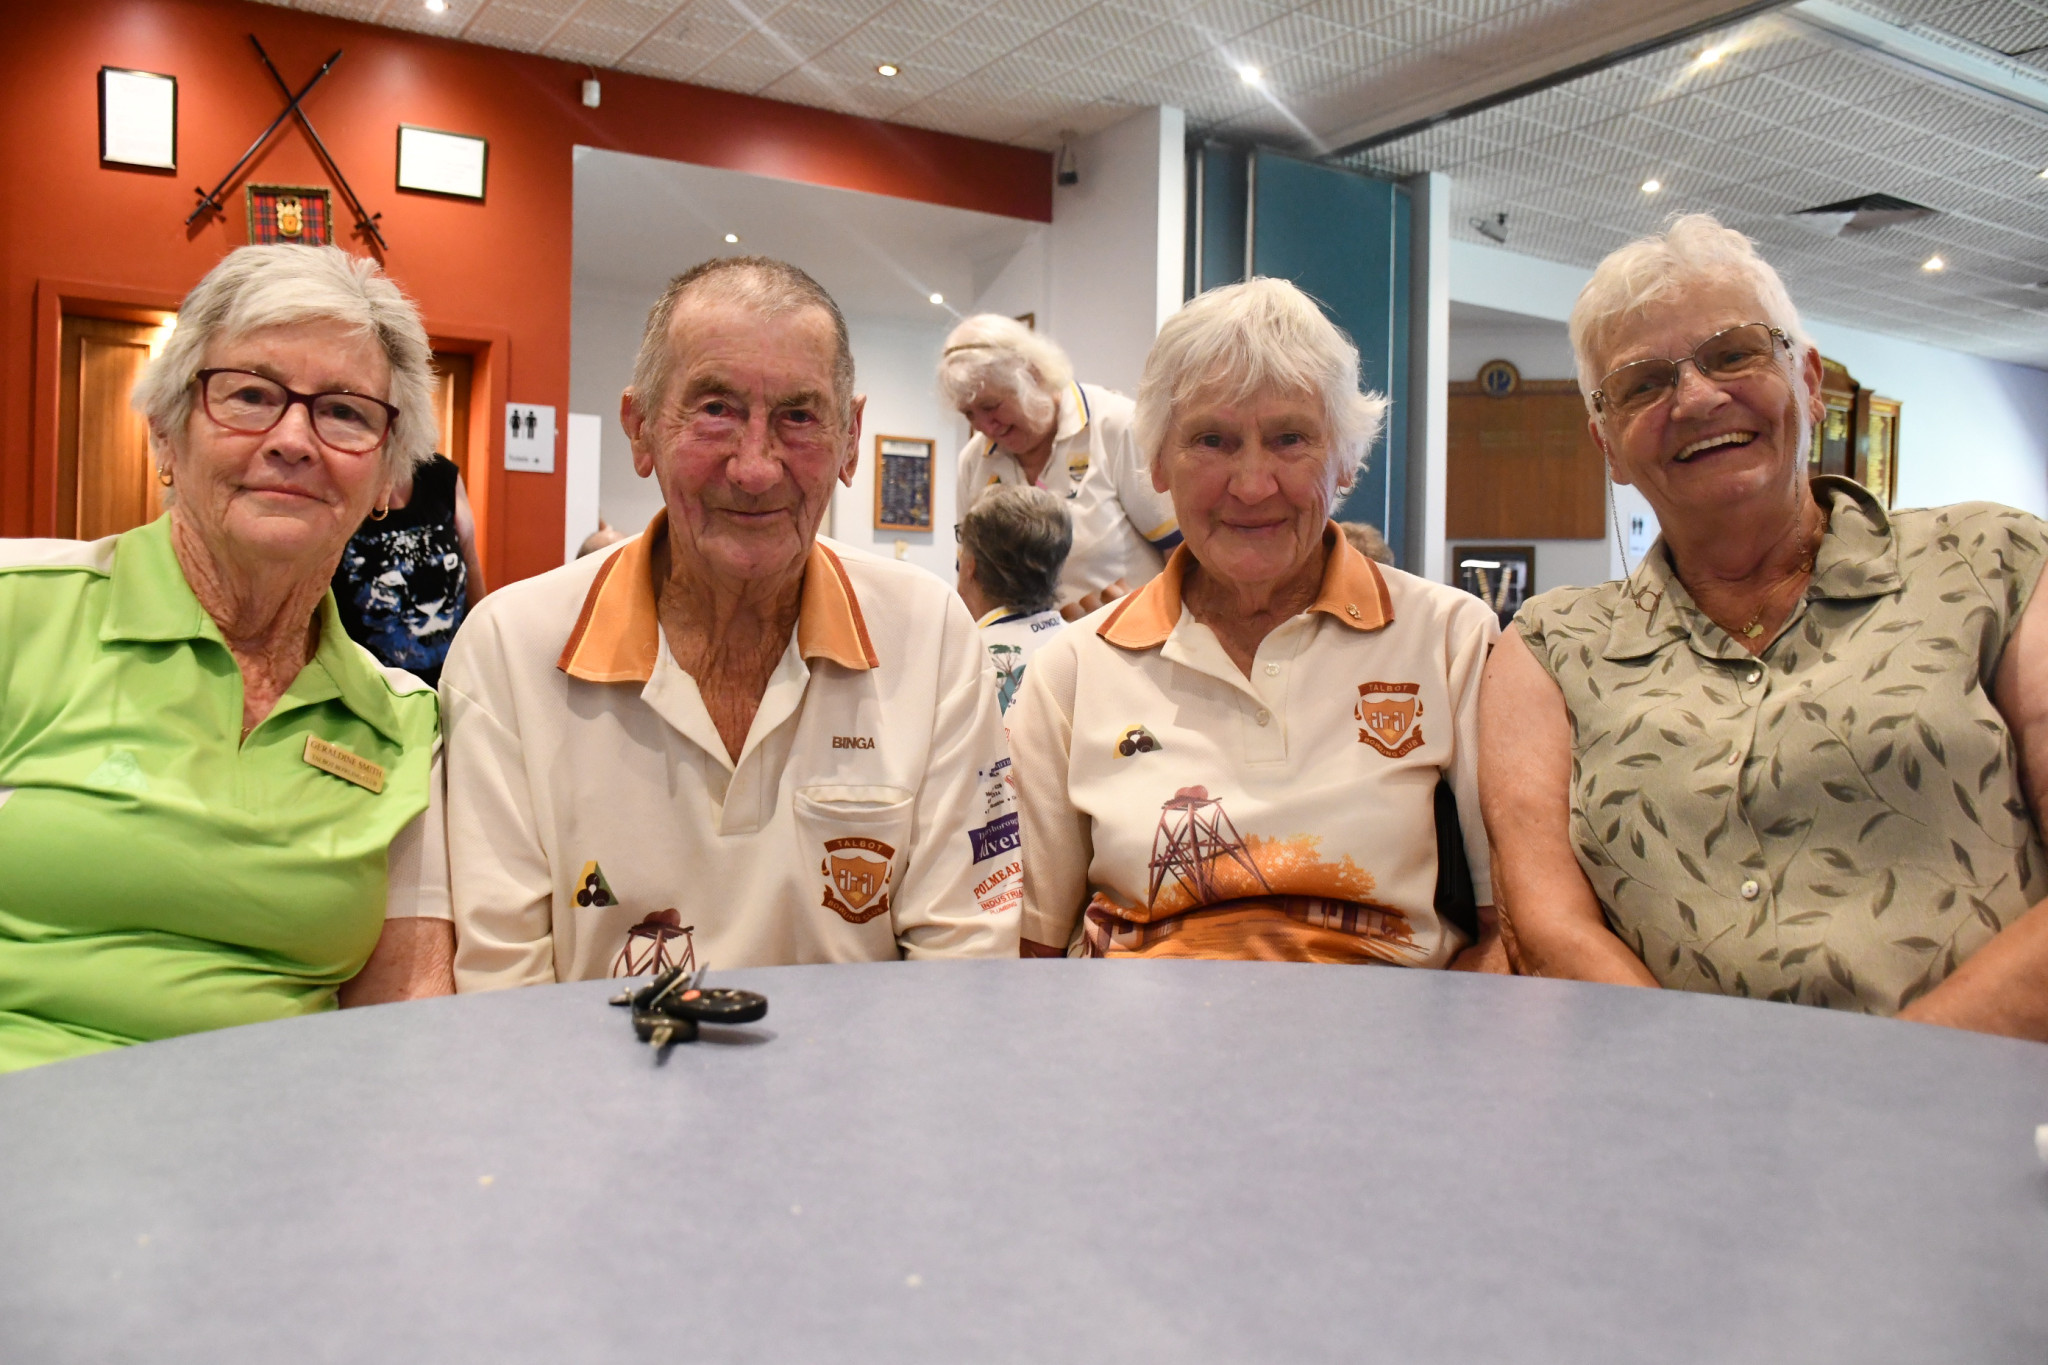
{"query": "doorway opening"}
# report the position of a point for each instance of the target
(105, 481)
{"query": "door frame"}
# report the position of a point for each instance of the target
(55, 298)
(490, 350)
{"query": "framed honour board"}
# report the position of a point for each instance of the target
(903, 483)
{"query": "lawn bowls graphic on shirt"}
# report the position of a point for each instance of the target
(856, 872)
(1194, 833)
(647, 945)
(592, 889)
(1390, 717)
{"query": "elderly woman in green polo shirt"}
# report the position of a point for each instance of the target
(1801, 753)
(215, 807)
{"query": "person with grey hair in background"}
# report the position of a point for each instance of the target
(727, 740)
(1801, 753)
(1013, 542)
(1036, 425)
(215, 808)
(1263, 752)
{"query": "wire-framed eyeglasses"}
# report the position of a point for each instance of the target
(1637, 387)
(353, 423)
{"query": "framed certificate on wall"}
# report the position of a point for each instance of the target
(138, 119)
(903, 483)
(433, 162)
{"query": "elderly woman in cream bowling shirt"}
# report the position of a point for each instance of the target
(1270, 750)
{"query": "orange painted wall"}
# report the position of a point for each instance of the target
(497, 271)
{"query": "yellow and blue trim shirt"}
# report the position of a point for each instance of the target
(158, 874)
(595, 814)
(1173, 806)
(1123, 527)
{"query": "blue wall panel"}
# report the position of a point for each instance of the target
(1343, 237)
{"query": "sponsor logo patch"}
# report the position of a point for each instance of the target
(1390, 717)
(995, 838)
(996, 791)
(856, 873)
(1001, 889)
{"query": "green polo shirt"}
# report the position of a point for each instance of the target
(156, 876)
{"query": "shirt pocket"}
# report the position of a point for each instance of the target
(860, 836)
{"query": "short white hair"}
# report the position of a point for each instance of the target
(991, 354)
(1693, 250)
(760, 284)
(1261, 336)
(255, 287)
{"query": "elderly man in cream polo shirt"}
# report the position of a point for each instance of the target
(727, 735)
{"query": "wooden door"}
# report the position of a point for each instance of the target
(106, 483)
(454, 372)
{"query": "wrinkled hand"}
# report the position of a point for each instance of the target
(1102, 596)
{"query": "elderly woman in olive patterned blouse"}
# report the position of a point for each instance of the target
(1794, 755)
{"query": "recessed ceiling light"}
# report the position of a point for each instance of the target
(732, 239)
(888, 69)
(2043, 175)
(1251, 75)
(1934, 265)
(1652, 185)
(938, 298)
(437, 6)
(1710, 56)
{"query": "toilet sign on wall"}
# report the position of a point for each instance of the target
(530, 438)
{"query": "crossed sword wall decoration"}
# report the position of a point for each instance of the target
(366, 222)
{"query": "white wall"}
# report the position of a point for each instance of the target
(896, 364)
(1969, 428)
(1540, 348)
(1118, 246)
(604, 336)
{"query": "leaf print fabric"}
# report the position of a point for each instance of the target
(1839, 821)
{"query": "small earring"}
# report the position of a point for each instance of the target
(163, 475)
(380, 514)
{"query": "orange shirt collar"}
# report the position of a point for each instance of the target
(617, 636)
(1353, 592)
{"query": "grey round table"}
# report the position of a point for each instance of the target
(1038, 1161)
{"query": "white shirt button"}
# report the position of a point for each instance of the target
(1756, 675)
(1272, 670)
(1265, 716)
(1750, 890)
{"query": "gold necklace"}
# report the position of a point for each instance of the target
(1756, 622)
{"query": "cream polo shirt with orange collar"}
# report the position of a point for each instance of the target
(1173, 806)
(594, 813)
(1123, 527)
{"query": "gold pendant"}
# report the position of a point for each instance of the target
(1753, 629)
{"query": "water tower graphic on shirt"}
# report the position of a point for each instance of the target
(1194, 832)
(647, 949)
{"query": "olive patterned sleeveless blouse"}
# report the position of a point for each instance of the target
(1839, 821)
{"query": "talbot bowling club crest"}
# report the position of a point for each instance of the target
(1390, 717)
(856, 873)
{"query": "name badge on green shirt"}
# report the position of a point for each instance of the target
(332, 758)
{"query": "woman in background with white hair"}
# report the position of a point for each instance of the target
(1792, 757)
(1261, 753)
(1035, 425)
(214, 806)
